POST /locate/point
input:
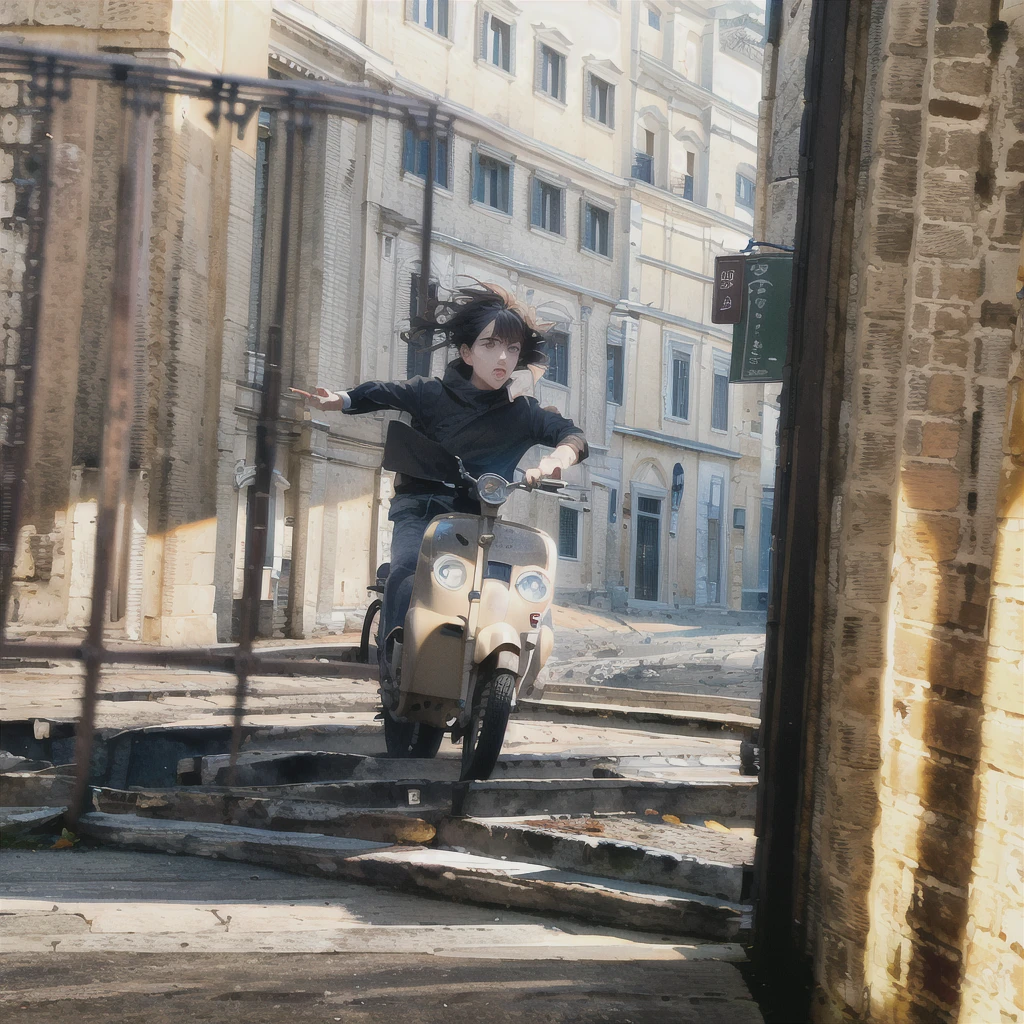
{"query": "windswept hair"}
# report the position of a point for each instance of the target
(459, 319)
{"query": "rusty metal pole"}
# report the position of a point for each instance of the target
(258, 504)
(423, 298)
(130, 260)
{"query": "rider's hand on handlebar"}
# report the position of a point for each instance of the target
(322, 398)
(548, 468)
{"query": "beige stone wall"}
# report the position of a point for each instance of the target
(913, 851)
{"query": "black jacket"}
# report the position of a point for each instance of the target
(487, 431)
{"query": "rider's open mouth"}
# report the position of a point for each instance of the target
(499, 373)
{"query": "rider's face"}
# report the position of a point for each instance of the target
(491, 359)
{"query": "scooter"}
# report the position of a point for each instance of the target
(479, 626)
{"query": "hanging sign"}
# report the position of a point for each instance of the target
(759, 336)
(726, 302)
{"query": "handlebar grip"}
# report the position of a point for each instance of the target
(552, 485)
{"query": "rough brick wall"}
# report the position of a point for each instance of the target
(914, 895)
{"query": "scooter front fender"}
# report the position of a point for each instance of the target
(500, 638)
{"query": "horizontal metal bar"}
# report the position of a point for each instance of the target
(229, 90)
(224, 659)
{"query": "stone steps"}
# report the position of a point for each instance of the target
(444, 873)
(701, 860)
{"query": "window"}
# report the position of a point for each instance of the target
(654, 18)
(720, 400)
(691, 161)
(615, 374)
(680, 385)
(568, 532)
(417, 358)
(552, 73)
(596, 235)
(557, 348)
(255, 357)
(613, 506)
(492, 180)
(497, 43)
(416, 155)
(431, 14)
(643, 164)
(600, 100)
(744, 192)
(547, 207)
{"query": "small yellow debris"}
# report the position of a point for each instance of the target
(716, 826)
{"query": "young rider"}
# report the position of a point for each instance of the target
(473, 411)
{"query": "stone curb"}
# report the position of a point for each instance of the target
(706, 721)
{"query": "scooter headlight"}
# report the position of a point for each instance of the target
(493, 489)
(450, 572)
(534, 586)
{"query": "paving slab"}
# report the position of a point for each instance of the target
(457, 876)
(736, 725)
(16, 821)
(654, 700)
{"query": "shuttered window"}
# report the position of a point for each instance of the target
(600, 100)
(720, 400)
(547, 206)
(557, 349)
(568, 532)
(492, 182)
(596, 234)
(681, 385)
(416, 155)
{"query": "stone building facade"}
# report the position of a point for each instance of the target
(594, 168)
(908, 806)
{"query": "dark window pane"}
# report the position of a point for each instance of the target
(720, 402)
(442, 17)
(568, 532)
(615, 374)
(643, 167)
(681, 386)
(653, 18)
(557, 348)
(744, 191)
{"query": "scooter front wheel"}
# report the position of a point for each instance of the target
(482, 742)
(410, 739)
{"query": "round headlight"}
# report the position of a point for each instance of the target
(493, 489)
(534, 586)
(450, 572)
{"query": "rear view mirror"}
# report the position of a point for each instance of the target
(408, 452)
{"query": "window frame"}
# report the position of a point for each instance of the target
(413, 8)
(538, 182)
(591, 80)
(685, 348)
(562, 510)
(720, 368)
(486, 16)
(481, 151)
(615, 341)
(588, 202)
(653, 17)
(448, 136)
(741, 177)
(539, 87)
(564, 330)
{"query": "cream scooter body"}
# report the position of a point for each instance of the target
(450, 634)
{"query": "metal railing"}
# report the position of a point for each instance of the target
(45, 78)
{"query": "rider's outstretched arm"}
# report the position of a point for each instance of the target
(372, 396)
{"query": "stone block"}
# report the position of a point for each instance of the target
(885, 290)
(866, 574)
(183, 630)
(846, 908)
(1007, 625)
(944, 241)
(1011, 492)
(879, 399)
(946, 393)
(903, 79)
(948, 198)
(1014, 156)
(184, 599)
(1001, 800)
(900, 133)
(1002, 741)
(1008, 563)
(73, 13)
(908, 25)
(882, 345)
(1000, 315)
(896, 181)
(951, 661)
(136, 15)
(854, 740)
(960, 41)
(894, 236)
(963, 78)
(930, 488)
(953, 148)
(963, 283)
(875, 454)
(853, 796)
(940, 723)
(16, 12)
(940, 439)
(969, 12)
(952, 350)
(938, 912)
(10, 94)
(870, 518)
(942, 788)
(950, 318)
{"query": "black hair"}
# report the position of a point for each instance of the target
(458, 321)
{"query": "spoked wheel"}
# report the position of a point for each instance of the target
(485, 733)
(410, 739)
(368, 639)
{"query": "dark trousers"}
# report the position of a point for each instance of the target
(411, 515)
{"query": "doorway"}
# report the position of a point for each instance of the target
(648, 548)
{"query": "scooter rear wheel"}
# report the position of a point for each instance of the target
(482, 742)
(410, 739)
(368, 639)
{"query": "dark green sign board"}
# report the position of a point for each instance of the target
(759, 339)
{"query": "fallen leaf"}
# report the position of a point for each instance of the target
(671, 819)
(716, 826)
(651, 811)
(63, 844)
